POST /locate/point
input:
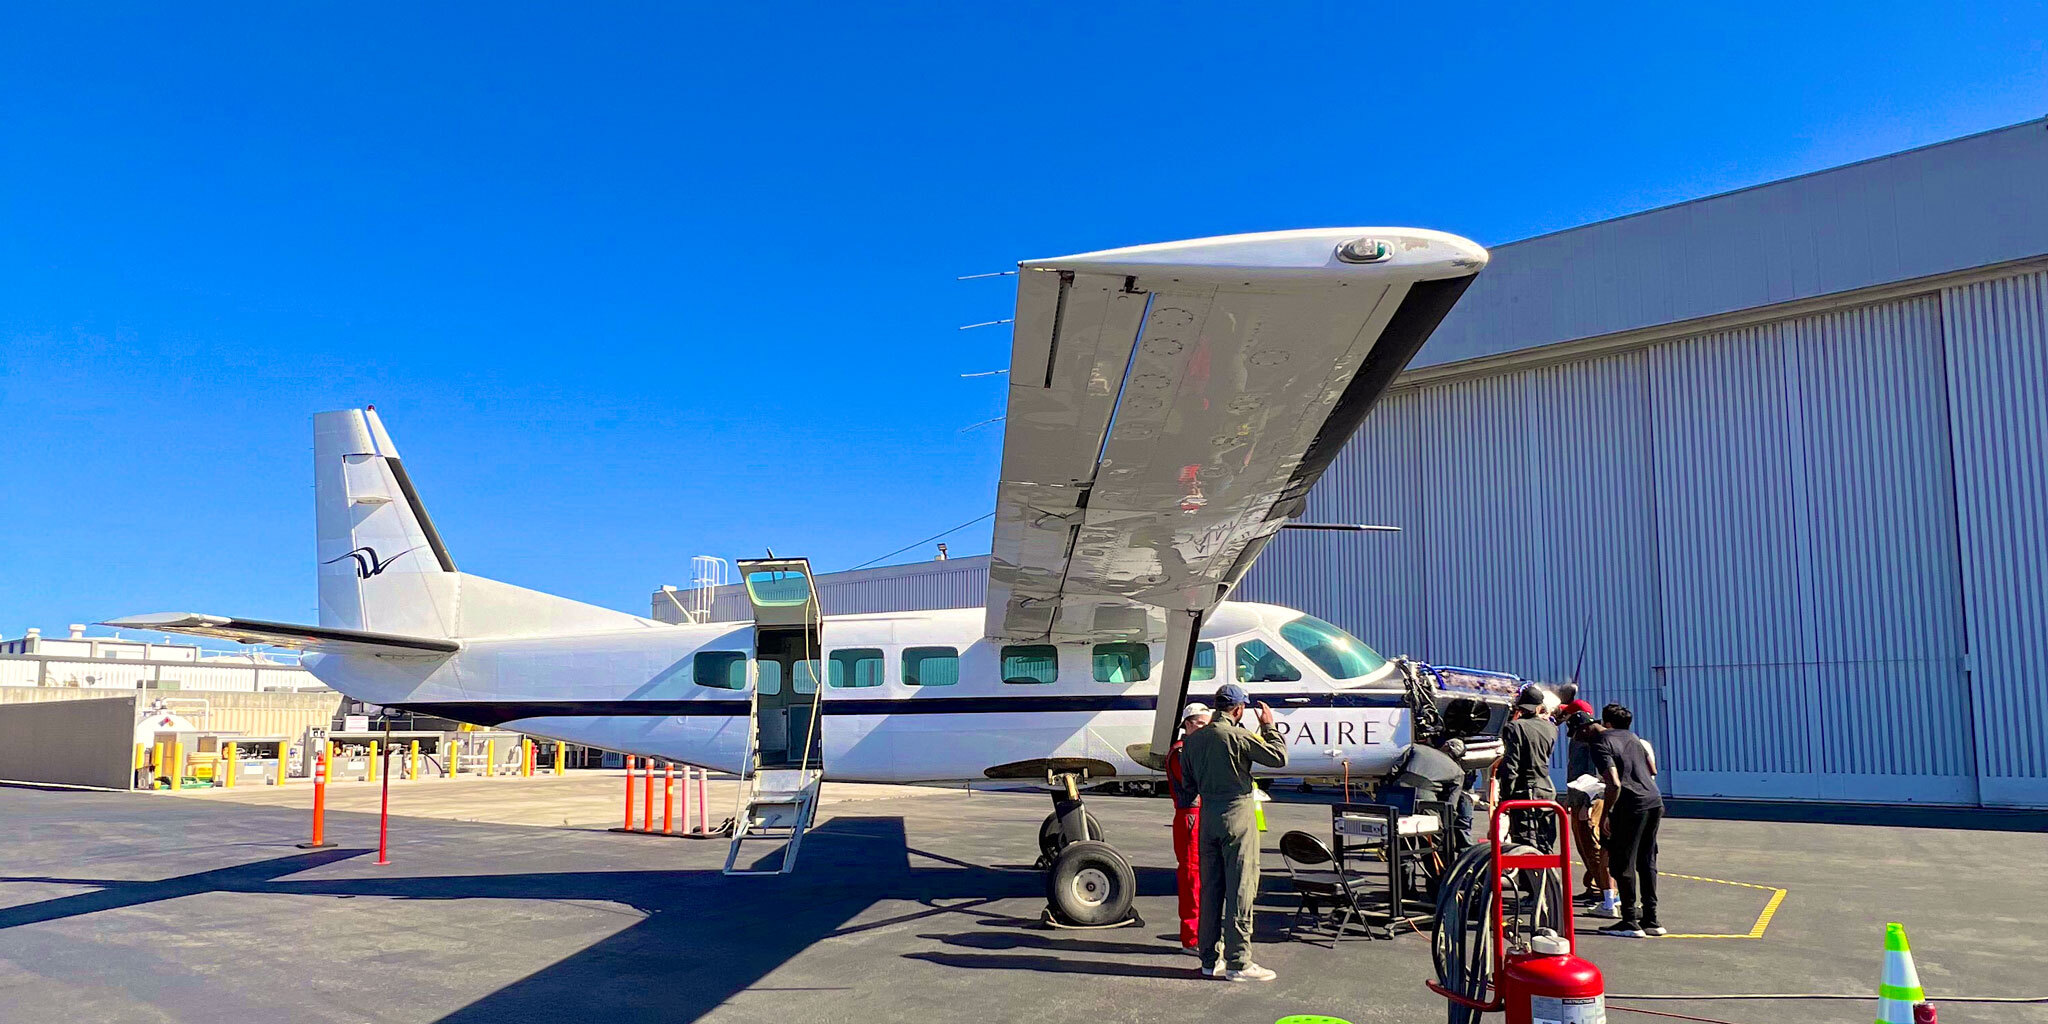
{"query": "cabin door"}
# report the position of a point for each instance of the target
(788, 632)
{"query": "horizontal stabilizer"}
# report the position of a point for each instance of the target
(327, 639)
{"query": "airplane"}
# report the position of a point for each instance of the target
(1170, 406)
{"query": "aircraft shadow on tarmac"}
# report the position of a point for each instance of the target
(647, 971)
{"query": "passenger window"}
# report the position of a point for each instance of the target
(804, 676)
(856, 667)
(1258, 663)
(1122, 662)
(1031, 663)
(1205, 663)
(931, 666)
(720, 670)
(768, 676)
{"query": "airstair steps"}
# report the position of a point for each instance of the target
(777, 805)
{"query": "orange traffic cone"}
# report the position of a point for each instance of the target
(1901, 988)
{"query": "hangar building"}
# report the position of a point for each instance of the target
(1778, 458)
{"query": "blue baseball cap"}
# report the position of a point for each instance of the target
(1231, 695)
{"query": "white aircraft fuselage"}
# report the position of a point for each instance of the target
(648, 691)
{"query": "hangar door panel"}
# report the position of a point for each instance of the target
(1997, 346)
(1886, 590)
(1811, 590)
(1731, 560)
(1593, 531)
(1482, 601)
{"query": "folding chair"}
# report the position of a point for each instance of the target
(1319, 879)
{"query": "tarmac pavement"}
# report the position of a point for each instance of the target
(149, 907)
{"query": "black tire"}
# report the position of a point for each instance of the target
(1090, 883)
(1049, 836)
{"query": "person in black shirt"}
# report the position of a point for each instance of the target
(1634, 811)
(1588, 810)
(1524, 772)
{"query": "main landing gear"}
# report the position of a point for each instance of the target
(1088, 884)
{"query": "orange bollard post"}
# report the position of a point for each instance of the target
(647, 796)
(384, 803)
(319, 807)
(629, 794)
(668, 799)
(703, 822)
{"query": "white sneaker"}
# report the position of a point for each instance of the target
(1610, 907)
(1249, 972)
(1656, 929)
(1211, 970)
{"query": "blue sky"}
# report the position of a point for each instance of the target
(632, 283)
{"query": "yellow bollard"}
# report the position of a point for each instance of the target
(525, 757)
(561, 756)
(412, 757)
(451, 756)
(490, 757)
(156, 764)
(228, 758)
(330, 755)
(177, 765)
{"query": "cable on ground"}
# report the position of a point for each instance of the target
(1932, 998)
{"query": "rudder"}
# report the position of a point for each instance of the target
(382, 566)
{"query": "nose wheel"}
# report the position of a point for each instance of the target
(1088, 883)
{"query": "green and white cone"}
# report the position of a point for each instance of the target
(1901, 988)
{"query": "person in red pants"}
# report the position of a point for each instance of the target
(1187, 823)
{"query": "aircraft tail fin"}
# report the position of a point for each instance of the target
(383, 567)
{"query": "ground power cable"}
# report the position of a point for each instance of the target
(1932, 998)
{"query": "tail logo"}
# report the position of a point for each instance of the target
(367, 563)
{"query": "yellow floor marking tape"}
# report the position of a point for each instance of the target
(1763, 920)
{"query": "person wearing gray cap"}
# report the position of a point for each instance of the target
(1218, 760)
(1526, 743)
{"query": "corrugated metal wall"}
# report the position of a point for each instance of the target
(1786, 538)
(1997, 351)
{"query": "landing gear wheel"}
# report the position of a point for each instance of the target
(1049, 836)
(1090, 885)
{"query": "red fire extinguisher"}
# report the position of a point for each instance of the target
(1549, 984)
(1544, 982)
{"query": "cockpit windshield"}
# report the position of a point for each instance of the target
(1339, 654)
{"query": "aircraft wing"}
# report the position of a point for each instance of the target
(325, 639)
(1171, 405)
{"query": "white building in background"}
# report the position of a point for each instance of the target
(78, 661)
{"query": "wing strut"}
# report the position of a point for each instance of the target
(1183, 633)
